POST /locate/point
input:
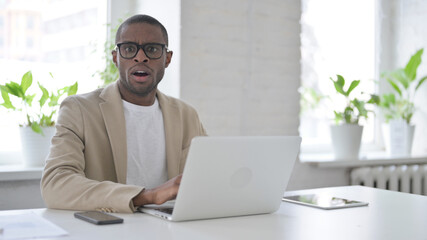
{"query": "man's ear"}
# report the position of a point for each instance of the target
(114, 53)
(168, 58)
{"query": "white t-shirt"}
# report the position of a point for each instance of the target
(146, 148)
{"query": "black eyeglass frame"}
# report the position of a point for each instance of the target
(142, 46)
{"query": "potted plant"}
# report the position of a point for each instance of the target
(398, 107)
(37, 126)
(346, 134)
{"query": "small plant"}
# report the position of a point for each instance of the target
(400, 105)
(110, 73)
(355, 108)
(16, 97)
(310, 99)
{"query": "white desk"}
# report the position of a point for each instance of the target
(390, 215)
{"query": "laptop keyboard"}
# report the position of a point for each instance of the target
(166, 210)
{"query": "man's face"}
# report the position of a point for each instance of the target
(140, 75)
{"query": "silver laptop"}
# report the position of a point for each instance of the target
(232, 176)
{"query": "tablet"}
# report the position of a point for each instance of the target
(323, 201)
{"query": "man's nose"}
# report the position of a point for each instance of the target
(140, 56)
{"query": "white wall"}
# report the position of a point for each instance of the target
(23, 194)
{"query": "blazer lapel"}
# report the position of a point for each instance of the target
(113, 114)
(172, 122)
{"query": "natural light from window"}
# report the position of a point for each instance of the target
(338, 37)
(61, 37)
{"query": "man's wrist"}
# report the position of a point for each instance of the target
(143, 198)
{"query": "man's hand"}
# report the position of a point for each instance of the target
(160, 194)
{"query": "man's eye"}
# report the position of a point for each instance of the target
(130, 49)
(152, 49)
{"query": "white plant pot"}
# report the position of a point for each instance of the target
(346, 141)
(35, 147)
(398, 137)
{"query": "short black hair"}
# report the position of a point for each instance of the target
(141, 18)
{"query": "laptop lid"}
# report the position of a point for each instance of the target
(235, 176)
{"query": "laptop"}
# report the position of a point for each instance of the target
(231, 176)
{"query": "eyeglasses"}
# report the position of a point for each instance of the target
(129, 50)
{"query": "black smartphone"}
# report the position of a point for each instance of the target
(99, 218)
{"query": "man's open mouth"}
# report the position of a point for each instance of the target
(140, 73)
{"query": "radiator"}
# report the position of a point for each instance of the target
(402, 178)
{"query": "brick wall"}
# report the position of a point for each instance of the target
(240, 65)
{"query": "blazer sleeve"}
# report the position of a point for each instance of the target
(64, 184)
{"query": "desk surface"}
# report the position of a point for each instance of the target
(390, 215)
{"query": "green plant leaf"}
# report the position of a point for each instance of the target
(339, 84)
(54, 99)
(36, 128)
(408, 118)
(14, 89)
(72, 90)
(27, 80)
(375, 99)
(360, 105)
(395, 86)
(399, 76)
(7, 103)
(29, 99)
(46, 121)
(45, 95)
(388, 100)
(422, 80)
(51, 121)
(412, 65)
(352, 86)
(348, 114)
(338, 117)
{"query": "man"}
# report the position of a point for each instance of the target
(123, 146)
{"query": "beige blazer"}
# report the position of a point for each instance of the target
(87, 164)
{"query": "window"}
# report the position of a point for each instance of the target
(30, 22)
(338, 37)
(64, 38)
